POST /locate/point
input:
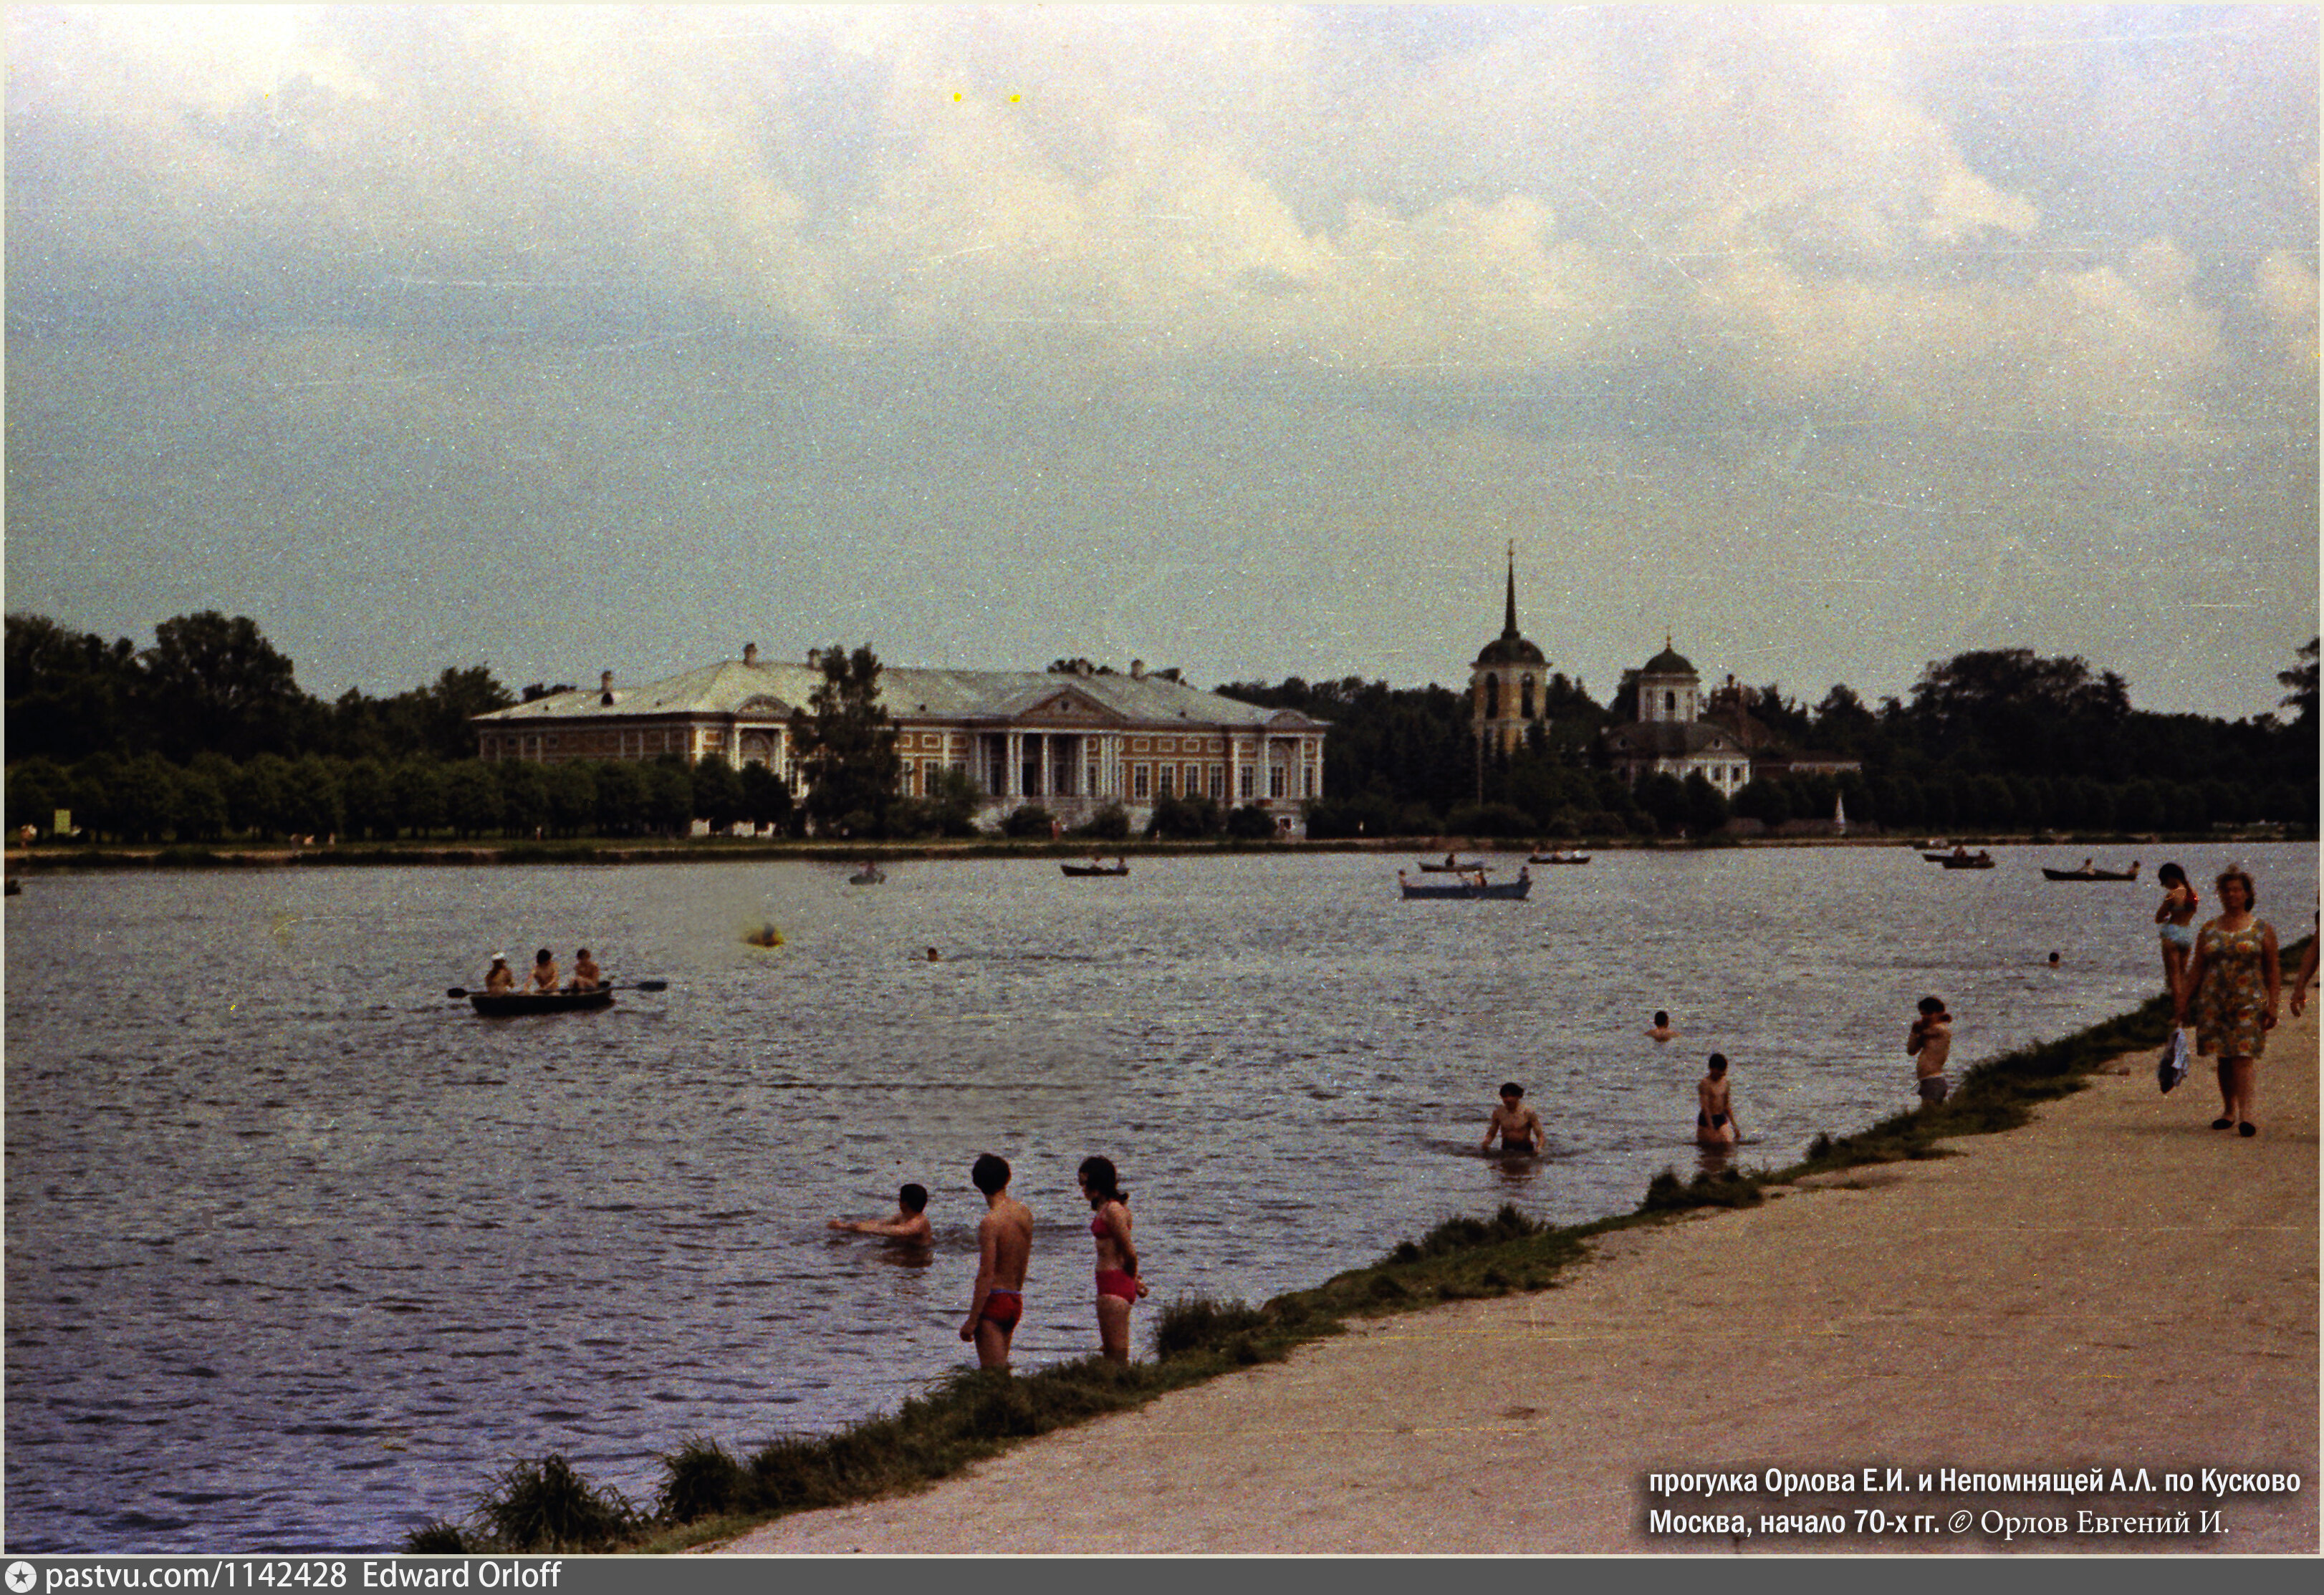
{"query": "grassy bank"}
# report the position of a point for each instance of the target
(709, 1493)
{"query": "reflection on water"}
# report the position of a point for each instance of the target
(299, 1252)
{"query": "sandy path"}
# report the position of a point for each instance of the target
(2114, 1285)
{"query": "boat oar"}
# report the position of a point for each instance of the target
(457, 993)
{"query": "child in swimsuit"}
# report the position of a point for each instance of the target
(1118, 1284)
(1004, 1244)
(1714, 1119)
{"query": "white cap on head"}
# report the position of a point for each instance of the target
(500, 958)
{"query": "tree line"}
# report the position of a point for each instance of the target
(2001, 739)
(205, 735)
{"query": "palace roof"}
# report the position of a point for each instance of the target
(755, 688)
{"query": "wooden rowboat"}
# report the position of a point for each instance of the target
(2129, 875)
(1456, 869)
(1976, 860)
(1513, 890)
(506, 1005)
(1553, 858)
(1095, 869)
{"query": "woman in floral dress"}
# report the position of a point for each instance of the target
(2232, 981)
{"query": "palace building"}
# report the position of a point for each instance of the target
(1072, 743)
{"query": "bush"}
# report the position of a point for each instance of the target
(546, 1505)
(437, 1538)
(1029, 819)
(703, 1480)
(1108, 823)
(1250, 822)
(1196, 1323)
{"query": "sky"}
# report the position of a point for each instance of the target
(1826, 343)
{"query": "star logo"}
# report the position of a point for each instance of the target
(21, 1577)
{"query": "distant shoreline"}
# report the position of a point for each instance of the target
(98, 860)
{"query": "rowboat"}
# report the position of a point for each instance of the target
(1558, 858)
(1976, 860)
(1455, 869)
(868, 876)
(504, 1005)
(1122, 869)
(2088, 874)
(1514, 890)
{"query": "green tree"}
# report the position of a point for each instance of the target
(717, 793)
(215, 682)
(368, 799)
(1765, 801)
(524, 796)
(845, 746)
(670, 795)
(2300, 682)
(419, 793)
(572, 790)
(623, 800)
(472, 799)
(1706, 806)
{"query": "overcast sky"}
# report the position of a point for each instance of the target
(1828, 342)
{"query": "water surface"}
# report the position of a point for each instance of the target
(299, 1252)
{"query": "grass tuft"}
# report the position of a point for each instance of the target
(544, 1505)
(701, 1480)
(1193, 1324)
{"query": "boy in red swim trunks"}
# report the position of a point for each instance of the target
(1004, 1244)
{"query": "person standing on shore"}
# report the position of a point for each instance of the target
(1118, 1284)
(1519, 1126)
(1929, 1043)
(2233, 984)
(2176, 916)
(909, 1224)
(1714, 1117)
(1004, 1245)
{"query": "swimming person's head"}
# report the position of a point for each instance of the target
(1718, 1063)
(913, 1198)
(2171, 875)
(1662, 1019)
(990, 1174)
(1100, 1182)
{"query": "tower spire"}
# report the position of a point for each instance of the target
(1510, 624)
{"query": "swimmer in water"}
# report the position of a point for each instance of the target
(1517, 1126)
(1714, 1118)
(909, 1223)
(1660, 1030)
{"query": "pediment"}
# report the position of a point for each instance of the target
(760, 702)
(1069, 707)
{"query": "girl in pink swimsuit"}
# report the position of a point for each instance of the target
(1118, 1284)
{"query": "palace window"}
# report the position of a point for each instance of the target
(1137, 778)
(1250, 782)
(1276, 782)
(1162, 781)
(1218, 783)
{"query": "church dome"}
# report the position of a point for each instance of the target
(1668, 662)
(1511, 650)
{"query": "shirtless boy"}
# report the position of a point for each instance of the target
(1004, 1242)
(1660, 1030)
(587, 977)
(1519, 1126)
(909, 1223)
(544, 971)
(1930, 1043)
(1714, 1117)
